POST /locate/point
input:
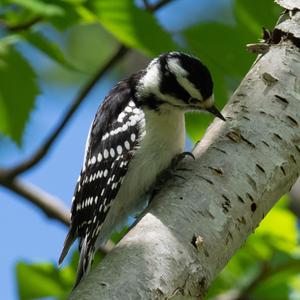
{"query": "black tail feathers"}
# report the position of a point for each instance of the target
(85, 260)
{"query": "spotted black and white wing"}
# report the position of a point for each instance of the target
(112, 142)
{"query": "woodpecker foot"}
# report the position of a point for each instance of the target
(170, 172)
(178, 158)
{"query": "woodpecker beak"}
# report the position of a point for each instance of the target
(215, 112)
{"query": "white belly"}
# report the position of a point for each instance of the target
(164, 139)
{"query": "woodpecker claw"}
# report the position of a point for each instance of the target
(178, 158)
(190, 154)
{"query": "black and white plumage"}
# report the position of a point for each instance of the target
(136, 133)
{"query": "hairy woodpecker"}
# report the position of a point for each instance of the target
(137, 131)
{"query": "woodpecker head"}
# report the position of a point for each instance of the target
(178, 80)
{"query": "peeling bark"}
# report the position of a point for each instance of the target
(242, 167)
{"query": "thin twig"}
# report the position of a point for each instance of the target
(159, 5)
(43, 150)
(146, 4)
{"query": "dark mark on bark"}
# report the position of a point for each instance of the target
(293, 121)
(241, 220)
(247, 141)
(269, 79)
(228, 237)
(260, 168)
(217, 171)
(283, 170)
(250, 197)
(220, 150)
(293, 159)
(234, 136)
(277, 136)
(281, 99)
(241, 95)
(240, 199)
(278, 35)
(246, 118)
(210, 214)
(193, 242)
(265, 143)
(225, 209)
(205, 179)
(202, 284)
(205, 252)
(252, 182)
(226, 198)
(253, 207)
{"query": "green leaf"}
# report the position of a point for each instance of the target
(225, 50)
(283, 237)
(70, 16)
(43, 280)
(48, 47)
(252, 16)
(132, 26)
(276, 277)
(18, 89)
(39, 7)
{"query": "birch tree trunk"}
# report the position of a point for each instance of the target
(243, 166)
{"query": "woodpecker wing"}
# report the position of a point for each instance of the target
(112, 142)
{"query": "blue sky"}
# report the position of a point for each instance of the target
(26, 233)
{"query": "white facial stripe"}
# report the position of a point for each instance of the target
(208, 102)
(175, 68)
(181, 74)
(150, 83)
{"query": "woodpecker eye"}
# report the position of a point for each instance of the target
(193, 101)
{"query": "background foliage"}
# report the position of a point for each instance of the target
(78, 37)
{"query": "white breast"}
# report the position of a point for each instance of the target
(164, 138)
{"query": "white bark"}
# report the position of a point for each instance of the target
(243, 167)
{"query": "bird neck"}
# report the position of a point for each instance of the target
(165, 129)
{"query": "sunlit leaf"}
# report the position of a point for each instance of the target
(85, 46)
(39, 7)
(18, 89)
(49, 48)
(253, 15)
(283, 237)
(276, 277)
(133, 26)
(225, 50)
(43, 280)
(70, 15)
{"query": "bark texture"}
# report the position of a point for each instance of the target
(242, 167)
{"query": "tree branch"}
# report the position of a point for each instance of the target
(50, 205)
(193, 227)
